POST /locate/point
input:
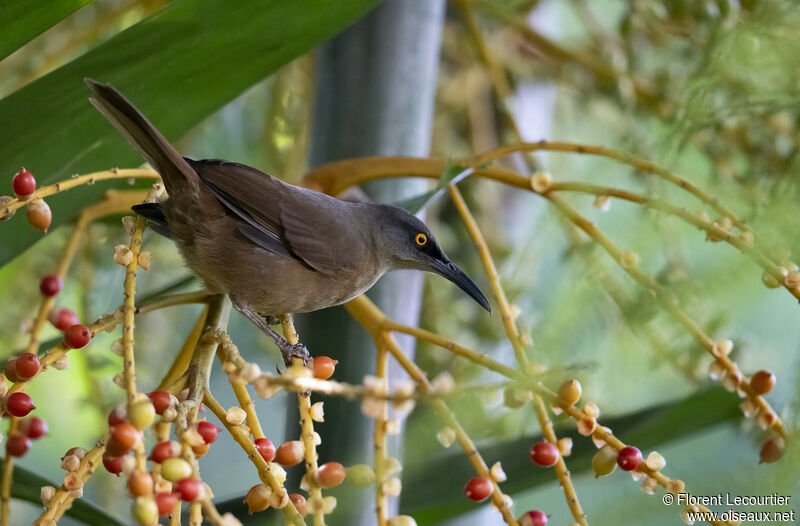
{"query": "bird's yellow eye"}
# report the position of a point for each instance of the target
(421, 239)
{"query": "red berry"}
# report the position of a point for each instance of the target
(289, 453)
(161, 401)
(121, 439)
(208, 431)
(113, 464)
(77, 336)
(10, 371)
(478, 488)
(265, 448)
(62, 319)
(324, 367)
(164, 450)
(33, 427)
(117, 416)
(19, 404)
(188, 489)
(51, 285)
(27, 365)
(772, 450)
(629, 458)
(533, 518)
(544, 454)
(166, 503)
(17, 445)
(23, 183)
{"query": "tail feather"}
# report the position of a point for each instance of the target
(178, 176)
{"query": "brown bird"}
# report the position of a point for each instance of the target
(273, 247)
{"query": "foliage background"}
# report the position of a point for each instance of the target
(724, 116)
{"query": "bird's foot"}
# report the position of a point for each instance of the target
(294, 350)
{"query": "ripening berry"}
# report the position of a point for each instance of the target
(533, 518)
(23, 184)
(299, 502)
(188, 489)
(51, 285)
(361, 475)
(769, 280)
(144, 510)
(761, 383)
(33, 427)
(208, 431)
(331, 474)
(161, 401)
(772, 450)
(478, 488)
(604, 461)
(544, 454)
(117, 416)
(27, 365)
(122, 438)
(201, 449)
(289, 453)
(140, 483)
(173, 469)
(142, 414)
(570, 391)
(17, 445)
(324, 367)
(164, 450)
(265, 448)
(39, 215)
(77, 336)
(166, 503)
(113, 465)
(19, 404)
(257, 498)
(62, 319)
(629, 458)
(10, 371)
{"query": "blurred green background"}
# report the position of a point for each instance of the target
(709, 89)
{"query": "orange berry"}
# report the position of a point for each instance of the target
(324, 367)
(290, 453)
(299, 502)
(257, 499)
(140, 483)
(762, 382)
(39, 214)
(331, 474)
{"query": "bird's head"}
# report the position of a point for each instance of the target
(409, 243)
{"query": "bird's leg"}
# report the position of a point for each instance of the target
(287, 349)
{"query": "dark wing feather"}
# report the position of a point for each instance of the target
(323, 230)
(285, 219)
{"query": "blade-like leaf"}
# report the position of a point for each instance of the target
(178, 66)
(646, 429)
(452, 174)
(22, 21)
(27, 486)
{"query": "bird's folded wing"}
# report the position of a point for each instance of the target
(253, 196)
(323, 231)
(291, 221)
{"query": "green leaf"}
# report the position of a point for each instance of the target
(178, 66)
(646, 429)
(23, 21)
(451, 174)
(27, 486)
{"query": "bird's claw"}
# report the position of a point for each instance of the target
(290, 351)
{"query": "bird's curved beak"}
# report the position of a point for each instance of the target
(449, 270)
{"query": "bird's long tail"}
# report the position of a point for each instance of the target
(178, 176)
